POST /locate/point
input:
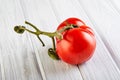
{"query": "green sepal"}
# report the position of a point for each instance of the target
(19, 29)
(52, 53)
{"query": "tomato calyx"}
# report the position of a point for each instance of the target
(58, 34)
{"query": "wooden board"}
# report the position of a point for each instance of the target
(22, 57)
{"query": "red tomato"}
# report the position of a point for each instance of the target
(78, 44)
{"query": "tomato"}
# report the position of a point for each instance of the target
(78, 44)
(75, 41)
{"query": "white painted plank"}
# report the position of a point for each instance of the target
(115, 4)
(101, 66)
(17, 61)
(20, 55)
(106, 17)
(40, 13)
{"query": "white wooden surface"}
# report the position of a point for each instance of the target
(23, 58)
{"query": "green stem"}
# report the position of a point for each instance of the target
(32, 25)
(65, 28)
(53, 40)
(41, 40)
(39, 32)
(50, 34)
(52, 51)
(30, 31)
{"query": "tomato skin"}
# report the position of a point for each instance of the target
(78, 44)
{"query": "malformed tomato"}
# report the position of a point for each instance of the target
(75, 42)
(78, 44)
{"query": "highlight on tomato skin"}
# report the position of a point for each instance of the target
(78, 44)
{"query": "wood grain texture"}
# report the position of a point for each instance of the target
(17, 60)
(22, 57)
(107, 63)
(45, 19)
(106, 19)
